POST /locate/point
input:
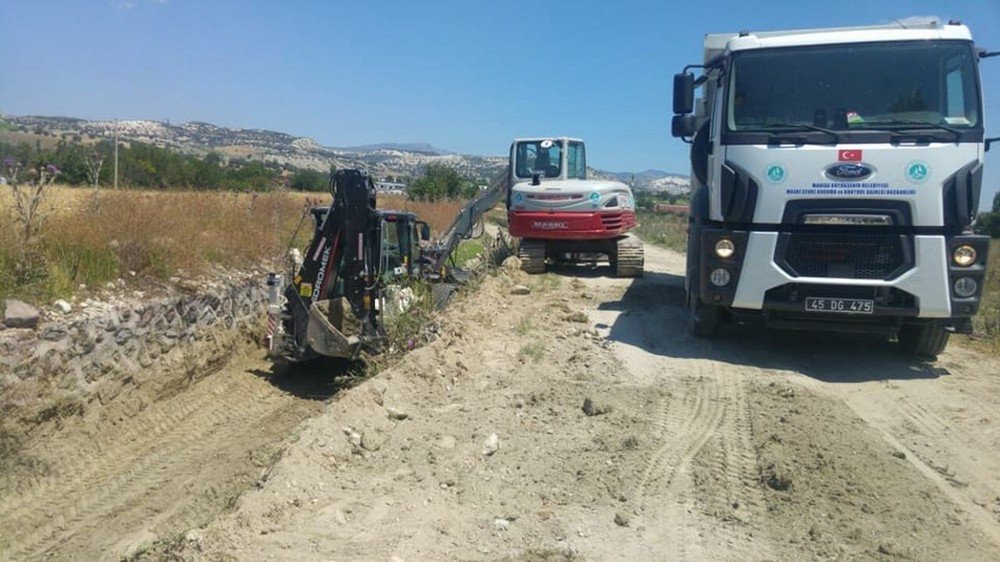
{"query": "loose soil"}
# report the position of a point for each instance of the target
(578, 421)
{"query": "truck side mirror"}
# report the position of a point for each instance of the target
(683, 126)
(425, 231)
(989, 142)
(683, 93)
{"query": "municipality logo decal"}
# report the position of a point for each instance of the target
(775, 173)
(918, 171)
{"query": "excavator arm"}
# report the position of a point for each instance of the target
(465, 222)
(327, 308)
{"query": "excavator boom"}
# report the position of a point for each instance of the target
(465, 222)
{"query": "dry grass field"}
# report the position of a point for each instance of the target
(987, 322)
(663, 229)
(158, 234)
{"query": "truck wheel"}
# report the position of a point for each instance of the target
(924, 340)
(703, 319)
(532, 255)
(628, 259)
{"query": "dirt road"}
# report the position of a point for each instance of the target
(171, 456)
(578, 421)
(756, 446)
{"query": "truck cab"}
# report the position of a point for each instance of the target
(835, 177)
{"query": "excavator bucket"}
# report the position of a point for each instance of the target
(329, 323)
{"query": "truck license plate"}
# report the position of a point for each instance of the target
(840, 306)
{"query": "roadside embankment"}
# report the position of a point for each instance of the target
(105, 347)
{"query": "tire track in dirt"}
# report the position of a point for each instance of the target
(144, 469)
(84, 453)
(683, 427)
(954, 459)
(704, 460)
(731, 473)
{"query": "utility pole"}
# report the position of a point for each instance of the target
(116, 155)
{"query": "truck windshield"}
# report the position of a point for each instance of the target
(856, 86)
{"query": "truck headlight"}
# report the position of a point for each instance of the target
(964, 255)
(719, 277)
(725, 248)
(965, 287)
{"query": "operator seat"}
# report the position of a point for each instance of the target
(543, 163)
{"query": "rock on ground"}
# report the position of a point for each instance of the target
(20, 314)
(520, 290)
(491, 445)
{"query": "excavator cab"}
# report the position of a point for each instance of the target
(541, 159)
(400, 236)
(563, 216)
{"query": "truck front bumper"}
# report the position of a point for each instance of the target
(924, 289)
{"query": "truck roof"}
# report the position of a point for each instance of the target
(554, 137)
(719, 43)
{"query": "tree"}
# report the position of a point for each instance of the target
(996, 202)
(208, 172)
(309, 180)
(438, 182)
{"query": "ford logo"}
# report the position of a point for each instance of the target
(849, 172)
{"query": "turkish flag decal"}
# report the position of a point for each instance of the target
(849, 155)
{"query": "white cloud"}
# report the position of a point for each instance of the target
(131, 4)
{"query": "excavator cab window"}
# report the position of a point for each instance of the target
(542, 157)
(576, 161)
(394, 240)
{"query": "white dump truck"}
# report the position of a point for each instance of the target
(835, 176)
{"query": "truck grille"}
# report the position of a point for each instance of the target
(845, 256)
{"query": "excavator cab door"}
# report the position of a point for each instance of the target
(394, 248)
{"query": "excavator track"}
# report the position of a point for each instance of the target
(532, 255)
(629, 258)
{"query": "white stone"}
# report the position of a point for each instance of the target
(491, 445)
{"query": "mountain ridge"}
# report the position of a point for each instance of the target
(384, 160)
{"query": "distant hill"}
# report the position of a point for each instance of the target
(420, 147)
(382, 160)
(654, 180)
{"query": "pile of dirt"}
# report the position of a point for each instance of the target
(837, 490)
(476, 445)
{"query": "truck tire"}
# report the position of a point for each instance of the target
(703, 319)
(924, 340)
(532, 255)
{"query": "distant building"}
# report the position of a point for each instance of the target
(390, 187)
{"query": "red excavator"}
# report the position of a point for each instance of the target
(560, 215)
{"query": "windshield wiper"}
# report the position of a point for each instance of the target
(909, 125)
(792, 127)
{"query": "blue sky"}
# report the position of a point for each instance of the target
(464, 76)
